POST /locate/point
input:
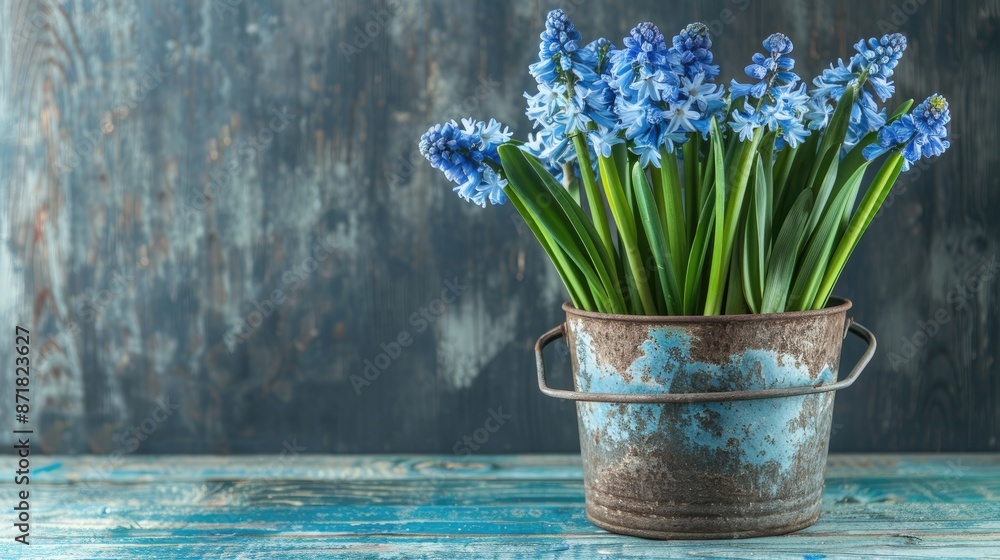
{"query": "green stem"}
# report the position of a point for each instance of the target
(734, 207)
(570, 183)
(594, 199)
(673, 201)
(621, 209)
(692, 180)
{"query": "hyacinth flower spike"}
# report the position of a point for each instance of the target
(869, 70)
(720, 201)
(919, 134)
(468, 157)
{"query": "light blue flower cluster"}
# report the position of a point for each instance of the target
(573, 96)
(468, 157)
(771, 70)
(919, 134)
(776, 100)
(664, 92)
(693, 47)
(653, 96)
(871, 67)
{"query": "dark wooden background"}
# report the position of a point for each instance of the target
(116, 114)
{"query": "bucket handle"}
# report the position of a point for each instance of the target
(560, 332)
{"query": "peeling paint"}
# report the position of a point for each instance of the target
(722, 469)
(766, 429)
(470, 337)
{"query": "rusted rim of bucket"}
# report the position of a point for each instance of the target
(836, 305)
(839, 306)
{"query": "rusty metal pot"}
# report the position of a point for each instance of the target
(705, 427)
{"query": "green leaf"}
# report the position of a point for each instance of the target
(658, 246)
(699, 250)
(713, 298)
(798, 177)
(570, 274)
(706, 189)
(756, 241)
(781, 265)
(532, 191)
(782, 168)
(620, 155)
(766, 159)
(692, 181)
(648, 275)
(730, 223)
(621, 210)
(822, 195)
(903, 108)
(833, 137)
(673, 212)
(870, 204)
(736, 304)
(855, 158)
(820, 248)
(594, 199)
(604, 262)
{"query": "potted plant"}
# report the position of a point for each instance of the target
(699, 232)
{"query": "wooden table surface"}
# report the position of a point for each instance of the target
(317, 506)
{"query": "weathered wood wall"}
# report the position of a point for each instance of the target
(213, 216)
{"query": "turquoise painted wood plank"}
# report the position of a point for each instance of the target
(513, 507)
(311, 547)
(135, 525)
(377, 467)
(852, 519)
(980, 491)
(302, 467)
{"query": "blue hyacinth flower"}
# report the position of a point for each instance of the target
(574, 95)
(664, 92)
(870, 69)
(770, 70)
(692, 51)
(777, 101)
(465, 155)
(922, 133)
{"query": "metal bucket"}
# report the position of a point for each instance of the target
(705, 427)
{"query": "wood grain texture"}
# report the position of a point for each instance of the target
(930, 506)
(152, 202)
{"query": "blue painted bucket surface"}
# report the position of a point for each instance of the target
(711, 469)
